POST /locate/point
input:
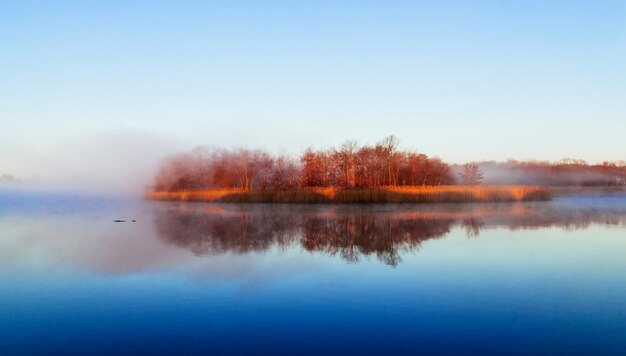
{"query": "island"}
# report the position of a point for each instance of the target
(379, 173)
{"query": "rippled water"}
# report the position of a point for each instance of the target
(287, 279)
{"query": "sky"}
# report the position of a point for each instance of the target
(92, 91)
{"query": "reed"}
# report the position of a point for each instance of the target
(404, 194)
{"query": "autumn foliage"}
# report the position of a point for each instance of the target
(347, 166)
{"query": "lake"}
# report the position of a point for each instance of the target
(101, 275)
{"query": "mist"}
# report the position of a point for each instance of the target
(125, 162)
(566, 172)
(116, 162)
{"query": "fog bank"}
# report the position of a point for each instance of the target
(120, 162)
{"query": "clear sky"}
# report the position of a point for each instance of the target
(122, 83)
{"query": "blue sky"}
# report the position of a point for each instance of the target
(463, 80)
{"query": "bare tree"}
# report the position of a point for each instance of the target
(471, 174)
(201, 162)
(312, 169)
(389, 147)
(348, 160)
(266, 165)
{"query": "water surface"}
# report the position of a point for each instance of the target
(546, 277)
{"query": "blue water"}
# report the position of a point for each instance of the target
(544, 278)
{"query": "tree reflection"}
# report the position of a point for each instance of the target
(353, 233)
(472, 226)
(354, 236)
(351, 236)
(209, 233)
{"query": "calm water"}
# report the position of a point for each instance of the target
(209, 278)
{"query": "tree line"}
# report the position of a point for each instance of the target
(565, 172)
(347, 166)
(351, 165)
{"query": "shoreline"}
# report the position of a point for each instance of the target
(382, 195)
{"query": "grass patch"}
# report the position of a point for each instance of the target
(418, 194)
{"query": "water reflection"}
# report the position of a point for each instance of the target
(355, 232)
(349, 235)
(466, 282)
